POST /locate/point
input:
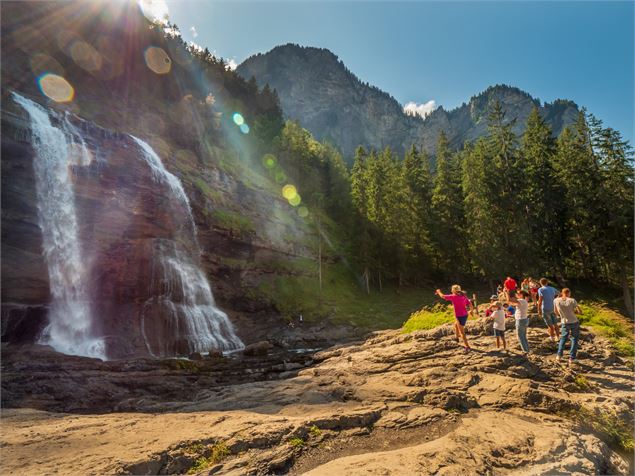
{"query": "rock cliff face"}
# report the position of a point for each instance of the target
(124, 214)
(317, 89)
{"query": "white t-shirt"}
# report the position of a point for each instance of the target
(566, 308)
(522, 309)
(499, 319)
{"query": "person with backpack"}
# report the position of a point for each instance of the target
(462, 306)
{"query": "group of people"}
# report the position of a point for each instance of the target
(513, 302)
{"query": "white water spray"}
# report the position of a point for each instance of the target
(182, 290)
(70, 319)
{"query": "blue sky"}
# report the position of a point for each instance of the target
(443, 51)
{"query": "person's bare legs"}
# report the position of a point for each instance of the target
(498, 342)
(504, 343)
(456, 330)
(462, 332)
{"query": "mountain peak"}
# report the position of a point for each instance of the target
(318, 90)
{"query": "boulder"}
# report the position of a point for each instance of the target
(196, 356)
(258, 348)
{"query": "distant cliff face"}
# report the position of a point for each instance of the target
(317, 89)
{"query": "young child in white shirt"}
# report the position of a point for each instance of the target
(498, 316)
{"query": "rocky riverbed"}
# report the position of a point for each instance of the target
(392, 404)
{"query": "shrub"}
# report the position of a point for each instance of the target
(296, 442)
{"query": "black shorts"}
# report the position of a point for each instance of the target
(498, 333)
(461, 319)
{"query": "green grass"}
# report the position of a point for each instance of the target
(315, 431)
(233, 221)
(610, 324)
(214, 195)
(428, 318)
(606, 424)
(582, 382)
(219, 452)
(341, 299)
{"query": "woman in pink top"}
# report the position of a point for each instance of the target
(462, 306)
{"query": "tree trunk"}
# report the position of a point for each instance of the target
(626, 292)
(366, 280)
(380, 286)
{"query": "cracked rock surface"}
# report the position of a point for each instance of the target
(393, 404)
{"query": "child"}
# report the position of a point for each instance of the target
(492, 300)
(522, 319)
(498, 316)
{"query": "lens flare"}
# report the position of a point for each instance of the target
(269, 161)
(56, 87)
(303, 212)
(244, 129)
(157, 60)
(295, 201)
(238, 119)
(289, 191)
(280, 176)
(85, 56)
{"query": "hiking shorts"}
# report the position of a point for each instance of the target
(461, 320)
(550, 318)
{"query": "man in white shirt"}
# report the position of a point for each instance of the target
(566, 308)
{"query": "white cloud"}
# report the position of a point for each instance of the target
(423, 110)
(231, 64)
(193, 31)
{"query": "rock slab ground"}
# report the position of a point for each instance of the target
(393, 404)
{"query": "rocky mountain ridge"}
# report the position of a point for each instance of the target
(317, 89)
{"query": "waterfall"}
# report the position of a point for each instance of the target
(181, 291)
(70, 318)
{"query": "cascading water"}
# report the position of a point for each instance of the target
(70, 318)
(182, 294)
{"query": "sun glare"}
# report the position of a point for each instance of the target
(155, 10)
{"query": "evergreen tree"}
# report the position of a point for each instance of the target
(542, 196)
(447, 211)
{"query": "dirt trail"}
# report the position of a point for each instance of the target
(394, 404)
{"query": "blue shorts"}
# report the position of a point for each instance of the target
(498, 333)
(550, 318)
(461, 319)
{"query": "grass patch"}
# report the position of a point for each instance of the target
(610, 324)
(582, 382)
(428, 318)
(296, 442)
(607, 425)
(342, 298)
(214, 195)
(218, 452)
(233, 221)
(315, 431)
